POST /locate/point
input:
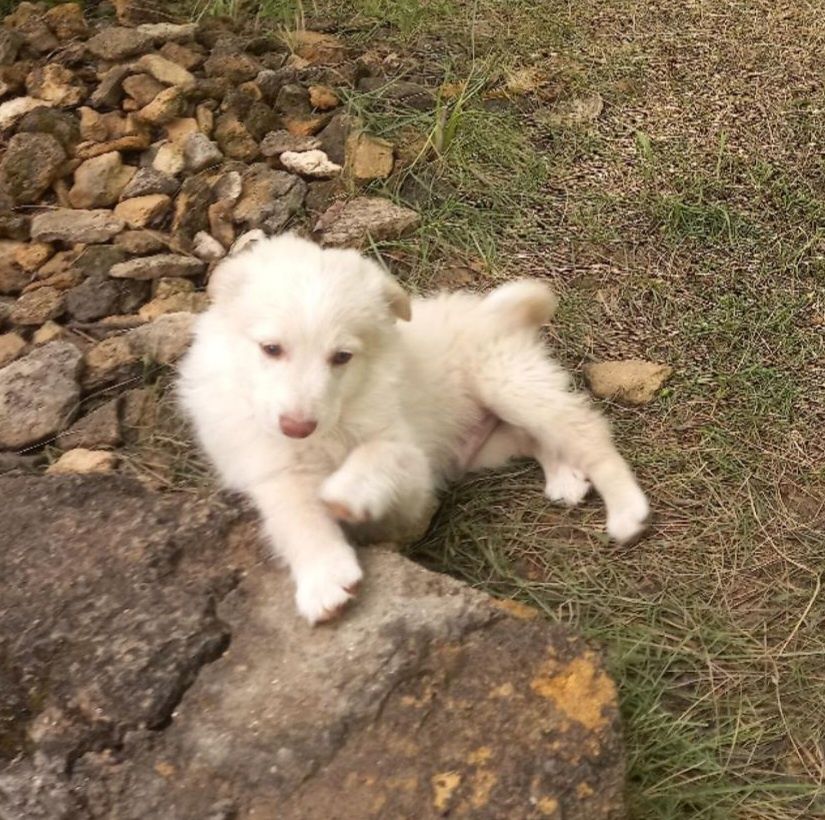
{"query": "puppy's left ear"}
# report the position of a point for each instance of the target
(397, 299)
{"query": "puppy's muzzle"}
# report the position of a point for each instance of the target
(296, 428)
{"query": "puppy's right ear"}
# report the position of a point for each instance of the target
(396, 298)
(225, 280)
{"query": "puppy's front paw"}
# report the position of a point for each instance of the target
(628, 523)
(354, 502)
(567, 486)
(323, 590)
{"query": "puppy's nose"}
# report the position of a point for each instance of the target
(296, 428)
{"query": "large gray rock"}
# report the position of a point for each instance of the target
(426, 699)
(117, 43)
(30, 165)
(38, 395)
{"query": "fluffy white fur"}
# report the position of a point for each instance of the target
(466, 384)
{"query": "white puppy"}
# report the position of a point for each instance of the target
(311, 399)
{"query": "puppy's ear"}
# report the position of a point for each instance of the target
(397, 299)
(225, 280)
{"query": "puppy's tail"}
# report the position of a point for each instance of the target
(519, 305)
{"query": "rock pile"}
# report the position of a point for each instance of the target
(132, 159)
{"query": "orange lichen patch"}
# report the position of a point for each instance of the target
(444, 785)
(516, 609)
(402, 784)
(504, 691)
(481, 755)
(165, 769)
(548, 806)
(584, 790)
(483, 783)
(579, 690)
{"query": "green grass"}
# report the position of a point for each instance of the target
(684, 225)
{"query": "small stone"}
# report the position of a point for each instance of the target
(99, 296)
(206, 247)
(174, 296)
(182, 55)
(10, 43)
(221, 226)
(334, 137)
(169, 32)
(31, 164)
(83, 461)
(260, 120)
(13, 226)
(169, 104)
(109, 91)
(229, 186)
(632, 381)
(137, 12)
(165, 71)
(323, 97)
(139, 414)
(62, 125)
(59, 281)
(155, 267)
(38, 35)
(66, 225)
(143, 88)
(133, 142)
(12, 277)
(322, 193)
(165, 339)
(38, 394)
(143, 211)
(98, 182)
(178, 130)
(100, 428)
(368, 157)
(293, 100)
(351, 223)
(110, 126)
(200, 152)
(32, 256)
(205, 118)
(38, 306)
(191, 207)
(169, 159)
(66, 21)
(111, 360)
(236, 67)
(262, 188)
(317, 48)
(141, 243)
(402, 92)
(119, 43)
(11, 346)
(245, 240)
(12, 110)
(97, 260)
(234, 138)
(277, 142)
(150, 181)
(59, 263)
(50, 332)
(309, 164)
(56, 84)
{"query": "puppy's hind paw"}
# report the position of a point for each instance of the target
(323, 591)
(628, 524)
(567, 486)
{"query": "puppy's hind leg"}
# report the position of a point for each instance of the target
(573, 442)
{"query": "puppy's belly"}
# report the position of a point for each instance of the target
(474, 439)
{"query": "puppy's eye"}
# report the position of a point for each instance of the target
(273, 351)
(340, 357)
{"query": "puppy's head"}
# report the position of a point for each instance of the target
(308, 324)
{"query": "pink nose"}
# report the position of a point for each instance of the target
(296, 428)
